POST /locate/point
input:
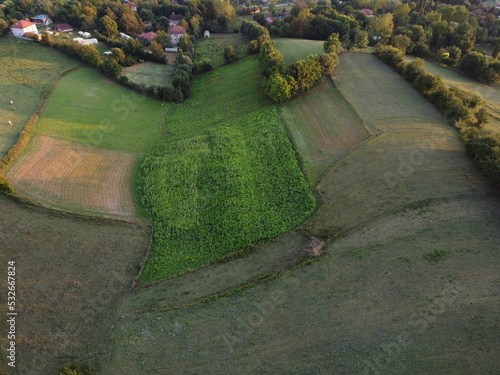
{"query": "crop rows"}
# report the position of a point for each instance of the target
(212, 194)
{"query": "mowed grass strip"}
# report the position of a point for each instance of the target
(382, 98)
(75, 177)
(150, 74)
(324, 127)
(27, 71)
(298, 49)
(213, 48)
(212, 194)
(87, 108)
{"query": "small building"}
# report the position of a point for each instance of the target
(176, 32)
(366, 11)
(107, 53)
(147, 38)
(269, 19)
(171, 49)
(132, 6)
(148, 25)
(22, 27)
(206, 34)
(63, 27)
(42, 19)
(93, 41)
(174, 19)
(125, 36)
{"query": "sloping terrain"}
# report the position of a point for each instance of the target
(406, 285)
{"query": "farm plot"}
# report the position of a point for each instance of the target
(27, 72)
(213, 48)
(230, 186)
(89, 109)
(150, 74)
(324, 127)
(74, 177)
(490, 94)
(298, 49)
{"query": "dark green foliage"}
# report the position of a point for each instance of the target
(202, 67)
(76, 368)
(306, 73)
(257, 34)
(390, 55)
(280, 88)
(332, 44)
(271, 60)
(436, 256)
(110, 68)
(5, 186)
(107, 27)
(484, 146)
(473, 64)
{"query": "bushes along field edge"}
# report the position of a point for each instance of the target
(465, 111)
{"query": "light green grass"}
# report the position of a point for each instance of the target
(88, 108)
(298, 49)
(27, 69)
(231, 186)
(324, 127)
(150, 74)
(213, 48)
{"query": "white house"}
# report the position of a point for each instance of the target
(22, 27)
(42, 19)
(206, 34)
(123, 35)
(176, 32)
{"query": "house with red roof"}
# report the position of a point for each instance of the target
(176, 32)
(368, 12)
(22, 27)
(132, 6)
(63, 27)
(147, 38)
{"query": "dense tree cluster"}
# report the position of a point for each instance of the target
(484, 146)
(282, 83)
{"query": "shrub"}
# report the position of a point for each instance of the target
(484, 146)
(230, 54)
(5, 186)
(390, 55)
(76, 368)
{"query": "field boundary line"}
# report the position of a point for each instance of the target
(25, 135)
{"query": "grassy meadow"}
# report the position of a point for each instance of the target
(213, 48)
(27, 71)
(88, 108)
(298, 49)
(150, 74)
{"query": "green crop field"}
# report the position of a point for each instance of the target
(233, 185)
(27, 72)
(490, 94)
(87, 108)
(213, 48)
(225, 176)
(150, 74)
(298, 49)
(324, 126)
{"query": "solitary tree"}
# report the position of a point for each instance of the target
(332, 44)
(157, 49)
